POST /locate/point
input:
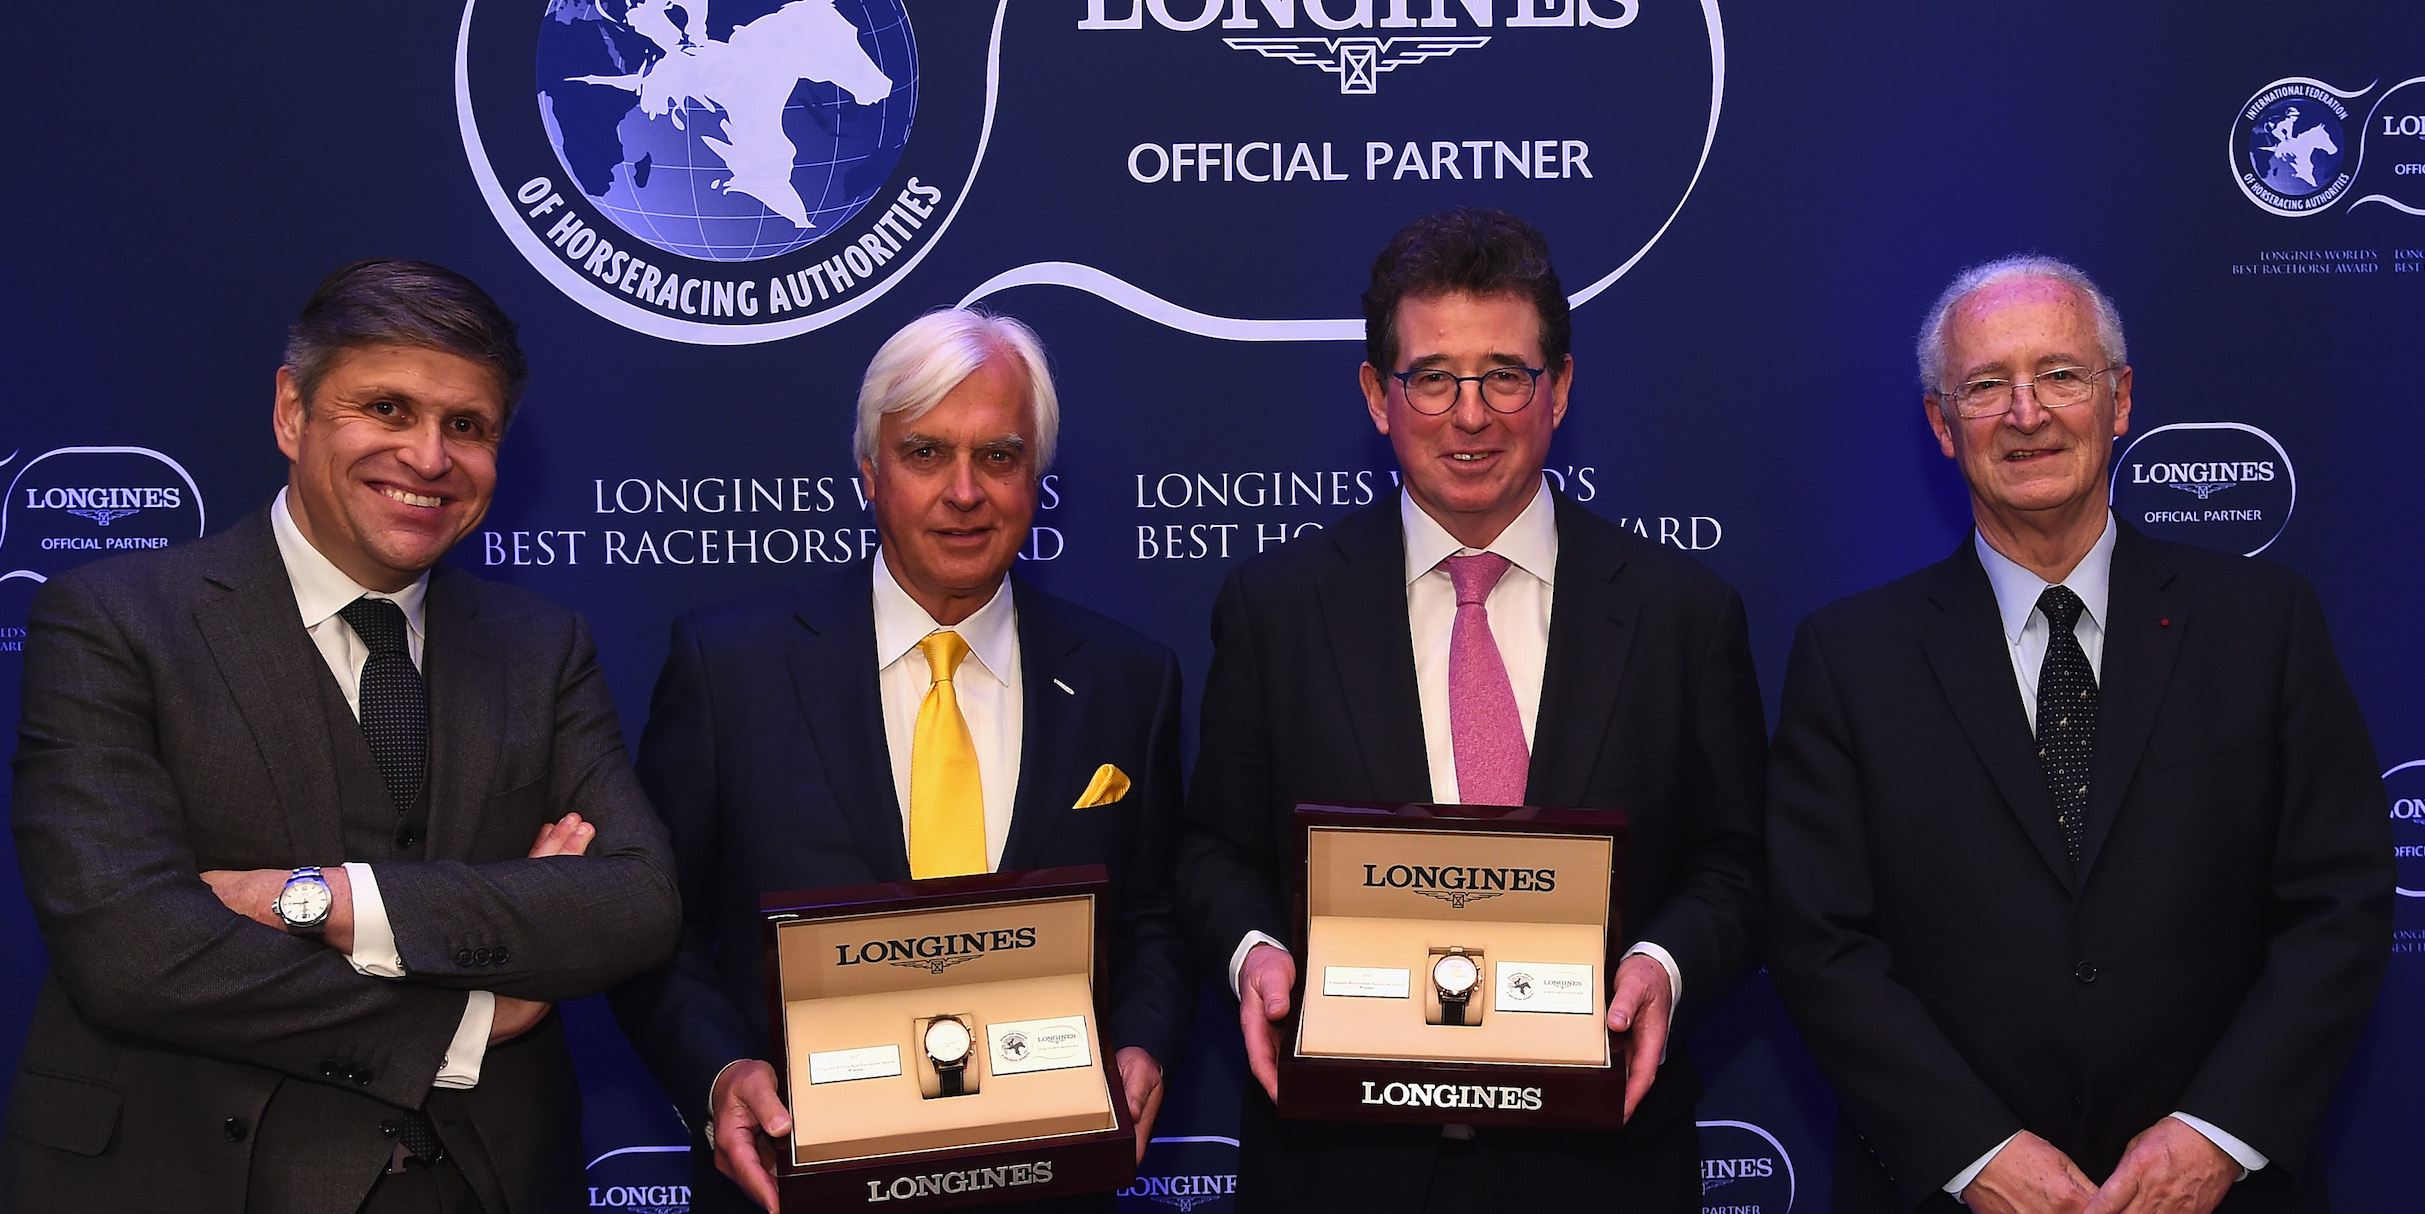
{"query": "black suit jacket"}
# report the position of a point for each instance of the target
(177, 718)
(2214, 952)
(765, 753)
(1648, 704)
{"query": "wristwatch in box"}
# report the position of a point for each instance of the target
(1456, 973)
(947, 1045)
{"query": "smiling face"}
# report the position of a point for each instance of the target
(1473, 470)
(2031, 470)
(393, 461)
(955, 490)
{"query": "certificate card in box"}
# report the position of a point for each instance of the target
(940, 1042)
(1454, 966)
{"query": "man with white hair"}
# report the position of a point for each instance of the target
(2080, 871)
(924, 715)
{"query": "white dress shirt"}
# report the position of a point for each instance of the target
(987, 685)
(321, 591)
(1519, 607)
(2026, 636)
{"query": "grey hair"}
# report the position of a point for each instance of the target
(917, 367)
(2005, 269)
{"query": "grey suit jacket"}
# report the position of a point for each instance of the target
(177, 719)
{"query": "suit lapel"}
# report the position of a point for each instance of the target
(255, 635)
(1363, 605)
(1965, 648)
(833, 668)
(467, 678)
(1050, 722)
(1591, 631)
(2143, 629)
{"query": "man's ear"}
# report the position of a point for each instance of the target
(288, 413)
(1376, 395)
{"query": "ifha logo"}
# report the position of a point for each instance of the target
(2222, 485)
(2406, 786)
(2289, 144)
(1744, 1170)
(726, 174)
(640, 1180)
(72, 504)
(1185, 1173)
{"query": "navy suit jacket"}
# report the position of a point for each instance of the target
(1649, 704)
(765, 754)
(2215, 951)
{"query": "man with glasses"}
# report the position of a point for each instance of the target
(2081, 870)
(1480, 639)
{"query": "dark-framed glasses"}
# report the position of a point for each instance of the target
(2055, 388)
(1432, 391)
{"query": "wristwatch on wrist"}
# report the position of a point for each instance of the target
(1454, 974)
(947, 1042)
(304, 902)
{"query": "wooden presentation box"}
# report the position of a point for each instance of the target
(854, 971)
(1533, 896)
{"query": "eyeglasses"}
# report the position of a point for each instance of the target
(2057, 388)
(1432, 391)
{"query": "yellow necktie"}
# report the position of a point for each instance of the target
(946, 799)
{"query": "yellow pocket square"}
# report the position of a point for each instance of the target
(1109, 785)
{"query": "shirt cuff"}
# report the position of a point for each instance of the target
(470, 1046)
(1667, 961)
(374, 937)
(1237, 959)
(1971, 1173)
(711, 1092)
(2241, 1153)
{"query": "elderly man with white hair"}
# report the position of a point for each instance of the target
(926, 714)
(2080, 871)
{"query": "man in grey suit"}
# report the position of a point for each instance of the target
(316, 830)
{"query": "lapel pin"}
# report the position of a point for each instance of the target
(1073, 691)
(2163, 621)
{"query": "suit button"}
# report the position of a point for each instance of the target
(479, 956)
(361, 1076)
(328, 1070)
(236, 1129)
(390, 1129)
(2085, 972)
(463, 956)
(496, 956)
(405, 838)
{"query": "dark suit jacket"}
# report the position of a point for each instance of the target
(177, 718)
(765, 753)
(1648, 704)
(2215, 951)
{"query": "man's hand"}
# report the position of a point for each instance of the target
(1142, 1076)
(515, 1017)
(2029, 1176)
(567, 836)
(743, 1111)
(1265, 980)
(253, 893)
(2169, 1168)
(1641, 1001)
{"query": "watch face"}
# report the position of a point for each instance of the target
(1455, 975)
(303, 901)
(947, 1040)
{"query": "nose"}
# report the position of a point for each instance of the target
(423, 450)
(1469, 413)
(961, 489)
(2027, 416)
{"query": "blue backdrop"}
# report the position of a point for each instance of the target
(1752, 202)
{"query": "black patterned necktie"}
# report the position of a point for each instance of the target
(2067, 715)
(394, 701)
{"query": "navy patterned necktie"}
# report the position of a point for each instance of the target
(394, 702)
(2067, 715)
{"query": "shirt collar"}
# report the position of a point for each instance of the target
(2017, 589)
(322, 589)
(1530, 543)
(992, 631)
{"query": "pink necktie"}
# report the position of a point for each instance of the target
(1482, 721)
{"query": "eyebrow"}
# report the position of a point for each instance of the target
(1433, 360)
(1999, 366)
(1007, 442)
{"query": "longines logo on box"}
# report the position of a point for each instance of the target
(966, 1180)
(935, 954)
(2224, 485)
(1452, 1096)
(1458, 885)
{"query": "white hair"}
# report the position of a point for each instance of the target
(920, 365)
(2006, 269)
